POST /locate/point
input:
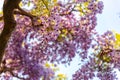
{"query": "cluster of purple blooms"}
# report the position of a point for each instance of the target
(58, 40)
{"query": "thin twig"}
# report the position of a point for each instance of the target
(46, 6)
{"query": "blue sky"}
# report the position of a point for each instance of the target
(108, 20)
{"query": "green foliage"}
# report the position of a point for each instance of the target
(43, 7)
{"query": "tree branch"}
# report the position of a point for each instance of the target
(9, 22)
(10, 70)
(1, 18)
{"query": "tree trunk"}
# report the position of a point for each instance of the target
(9, 24)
